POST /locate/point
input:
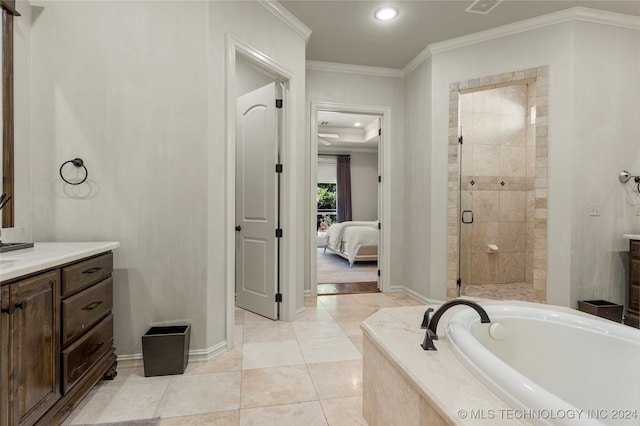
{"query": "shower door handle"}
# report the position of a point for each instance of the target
(465, 219)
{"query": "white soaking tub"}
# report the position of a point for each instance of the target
(552, 366)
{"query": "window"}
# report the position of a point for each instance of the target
(326, 192)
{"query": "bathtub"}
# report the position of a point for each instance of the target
(553, 366)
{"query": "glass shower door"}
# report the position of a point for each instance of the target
(466, 216)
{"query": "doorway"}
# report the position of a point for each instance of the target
(347, 202)
(497, 237)
(242, 57)
(346, 226)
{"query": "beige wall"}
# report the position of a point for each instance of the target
(22, 200)
(420, 277)
(364, 186)
(593, 88)
(137, 89)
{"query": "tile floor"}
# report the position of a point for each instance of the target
(307, 372)
(508, 291)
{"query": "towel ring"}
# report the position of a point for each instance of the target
(625, 177)
(78, 163)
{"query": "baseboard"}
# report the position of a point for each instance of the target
(300, 311)
(195, 355)
(415, 295)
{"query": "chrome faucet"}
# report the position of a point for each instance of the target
(432, 324)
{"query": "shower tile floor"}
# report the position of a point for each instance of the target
(509, 291)
(305, 372)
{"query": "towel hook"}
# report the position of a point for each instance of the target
(77, 162)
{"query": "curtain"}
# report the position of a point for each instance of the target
(344, 188)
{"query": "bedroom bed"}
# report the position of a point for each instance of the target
(353, 240)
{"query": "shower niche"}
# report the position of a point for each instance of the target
(499, 193)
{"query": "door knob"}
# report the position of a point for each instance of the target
(238, 228)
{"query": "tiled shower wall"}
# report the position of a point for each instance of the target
(538, 244)
(497, 182)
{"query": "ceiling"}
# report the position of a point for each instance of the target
(346, 32)
(337, 130)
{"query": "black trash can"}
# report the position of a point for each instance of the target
(165, 350)
(601, 308)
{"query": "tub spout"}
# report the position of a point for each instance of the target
(431, 334)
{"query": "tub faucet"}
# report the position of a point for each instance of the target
(431, 335)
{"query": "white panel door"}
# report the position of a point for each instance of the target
(256, 202)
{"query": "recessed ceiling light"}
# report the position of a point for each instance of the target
(357, 124)
(386, 13)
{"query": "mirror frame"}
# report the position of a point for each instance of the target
(8, 12)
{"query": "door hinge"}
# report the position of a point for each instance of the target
(379, 132)
(279, 233)
(459, 282)
(278, 297)
(379, 225)
(460, 140)
(378, 272)
(278, 103)
(379, 179)
(278, 168)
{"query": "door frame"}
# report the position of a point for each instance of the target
(384, 170)
(236, 48)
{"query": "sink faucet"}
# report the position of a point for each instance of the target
(432, 324)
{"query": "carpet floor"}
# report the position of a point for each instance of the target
(334, 269)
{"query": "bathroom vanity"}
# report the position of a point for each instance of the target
(56, 329)
(632, 316)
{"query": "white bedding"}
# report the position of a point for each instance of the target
(353, 234)
(358, 236)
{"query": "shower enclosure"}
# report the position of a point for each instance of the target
(501, 234)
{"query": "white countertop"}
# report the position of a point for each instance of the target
(438, 375)
(631, 236)
(43, 256)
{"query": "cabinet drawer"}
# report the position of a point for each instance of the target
(80, 356)
(82, 274)
(634, 297)
(634, 271)
(632, 319)
(84, 309)
(634, 248)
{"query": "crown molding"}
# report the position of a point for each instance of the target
(355, 69)
(572, 14)
(417, 61)
(287, 17)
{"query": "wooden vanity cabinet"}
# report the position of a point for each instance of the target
(30, 327)
(56, 335)
(632, 316)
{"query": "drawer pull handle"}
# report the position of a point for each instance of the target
(91, 271)
(21, 305)
(91, 306)
(8, 310)
(96, 349)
